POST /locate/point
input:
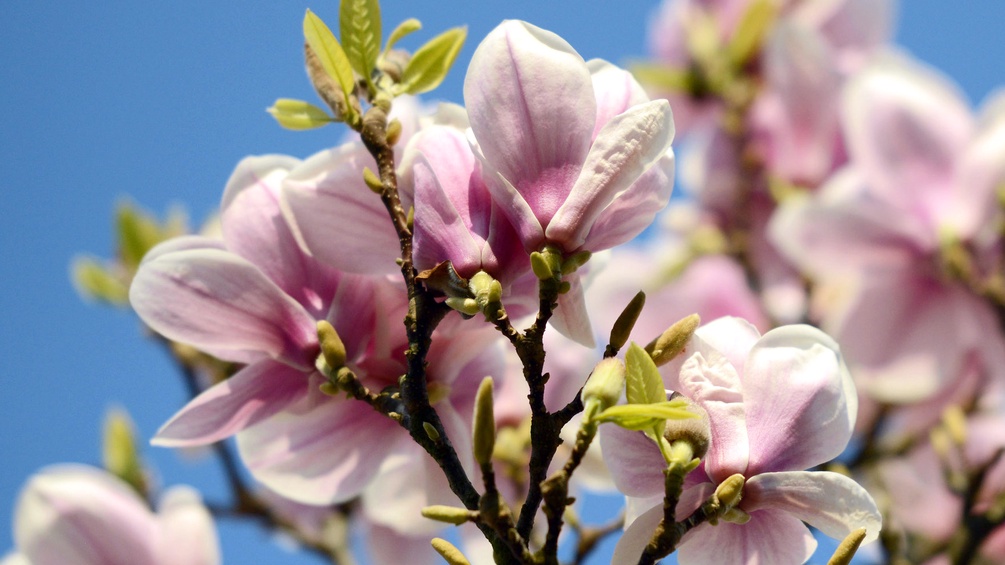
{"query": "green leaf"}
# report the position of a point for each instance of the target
(644, 385)
(94, 281)
(298, 115)
(406, 27)
(750, 32)
(333, 58)
(359, 24)
(430, 64)
(661, 77)
(137, 233)
(645, 416)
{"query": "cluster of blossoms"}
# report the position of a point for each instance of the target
(833, 184)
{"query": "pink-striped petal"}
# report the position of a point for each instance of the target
(319, 450)
(627, 146)
(830, 502)
(252, 395)
(634, 461)
(571, 318)
(188, 535)
(812, 422)
(616, 91)
(771, 536)
(532, 109)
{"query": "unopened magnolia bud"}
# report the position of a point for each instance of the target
(448, 552)
(331, 344)
(605, 383)
(576, 261)
(729, 492)
(694, 431)
(372, 181)
(846, 549)
(326, 87)
(448, 514)
(673, 341)
(626, 321)
(484, 425)
(393, 132)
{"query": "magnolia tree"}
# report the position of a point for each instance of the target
(448, 326)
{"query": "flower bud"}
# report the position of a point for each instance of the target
(694, 431)
(673, 341)
(605, 384)
(331, 344)
(326, 87)
(484, 428)
(730, 491)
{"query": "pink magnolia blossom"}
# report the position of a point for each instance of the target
(255, 298)
(777, 404)
(79, 515)
(921, 170)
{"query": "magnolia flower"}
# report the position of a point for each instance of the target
(256, 298)
(79, 515)
(777, 404)
(922, 173)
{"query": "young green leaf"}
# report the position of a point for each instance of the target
(750, 32)
(644, 385)
(645, 416)
(430, 64)
(359, 24)
(298, 115)
(662, 77)
(94, 281)
(406, 27)
(333, 58)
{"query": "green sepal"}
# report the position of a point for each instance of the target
(298, 115)
(93, 280)
(359, 26)
(334, 60)
(411, 25)
(430, 64)
(645, 416)
(750, 32)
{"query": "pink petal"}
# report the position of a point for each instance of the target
(830, 502)
(253, 394)
(571, 318)
(320, 450)
(452, 206)
(216, 300)
(812, 422)
(634, 461)
(387, 547)
(254, 227)
(637, 536)
(532, 109)
(188, 535)
(982, 173)
(79, 515)
(771, 536)
(713, 383)
(339, 220)
(906, 127)
(407, 481)
(627, 146)
(616, 91)
(854, 28)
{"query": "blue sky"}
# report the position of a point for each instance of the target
(102, 101)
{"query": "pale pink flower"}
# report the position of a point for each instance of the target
(80, 515)
(777, 404)
(921, 169)
(255, 298)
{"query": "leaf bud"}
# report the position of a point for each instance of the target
(626, 321)
(846, 549)
(448, 514)
(120, 455)
(328, 90)
(605, 384)
(372, 181)
(673, 341)
(484, 425)
(448, 552)
(393, 133)
(466, 306)
(431, 431)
